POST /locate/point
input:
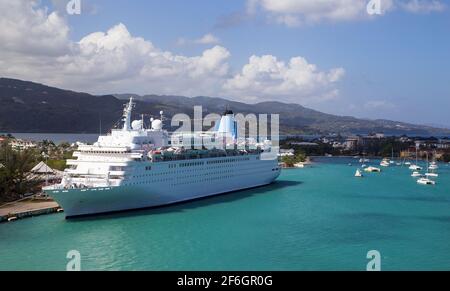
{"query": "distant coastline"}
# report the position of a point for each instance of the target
(92, 137)
(56, 137)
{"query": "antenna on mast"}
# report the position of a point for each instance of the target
(100, 124)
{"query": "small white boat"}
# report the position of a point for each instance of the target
(372, 170)
(363, 166)
(384, 163)
(426, 181)
(416, 174)
(364, 160)
(358, 174)
(12, 218)
(408, 163)
(299, 165)
(433, 167)
(415, 168)
(432, 175)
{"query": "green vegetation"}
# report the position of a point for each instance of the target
(290, 161)
(15, 166)
(446, 157)
(383, 147)
(311, 150)
(59, 165)
(13, 172)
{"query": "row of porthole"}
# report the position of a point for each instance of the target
(167, 179)
(182, 165)
(227, 161)
(186, 170)
(187, 176)
(204, 180)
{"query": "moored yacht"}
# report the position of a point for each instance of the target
(385, 163)
(426, 181)
(372, 170)
(416, 174)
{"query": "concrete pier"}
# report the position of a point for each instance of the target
(28, 208)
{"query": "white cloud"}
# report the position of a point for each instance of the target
(23, 28)
(298, 12)
(38, 48)
(123, 60)
(117, 61)
(423, 6)
(296, 81)
(207, 39)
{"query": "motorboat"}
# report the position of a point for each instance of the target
(416, 174)
(372, 170)
(385, 163)
(415, 168)
(426, 181)
(435, 175)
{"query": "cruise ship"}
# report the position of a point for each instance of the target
(134, 167)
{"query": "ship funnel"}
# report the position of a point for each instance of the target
(227, 125)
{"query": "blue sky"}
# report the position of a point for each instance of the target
(397, 65)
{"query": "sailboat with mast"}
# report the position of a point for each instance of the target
(392, 157)
(432, 168)
(416, 167)
(426, 180)
(406, 161)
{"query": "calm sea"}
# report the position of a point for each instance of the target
(319, 218)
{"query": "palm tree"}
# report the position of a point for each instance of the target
(13, 180)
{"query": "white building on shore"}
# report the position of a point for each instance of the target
(19, 144)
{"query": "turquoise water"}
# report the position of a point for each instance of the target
(320, 218)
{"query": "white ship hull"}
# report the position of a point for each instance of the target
(164, 186)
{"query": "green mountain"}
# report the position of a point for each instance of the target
(31, 107)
